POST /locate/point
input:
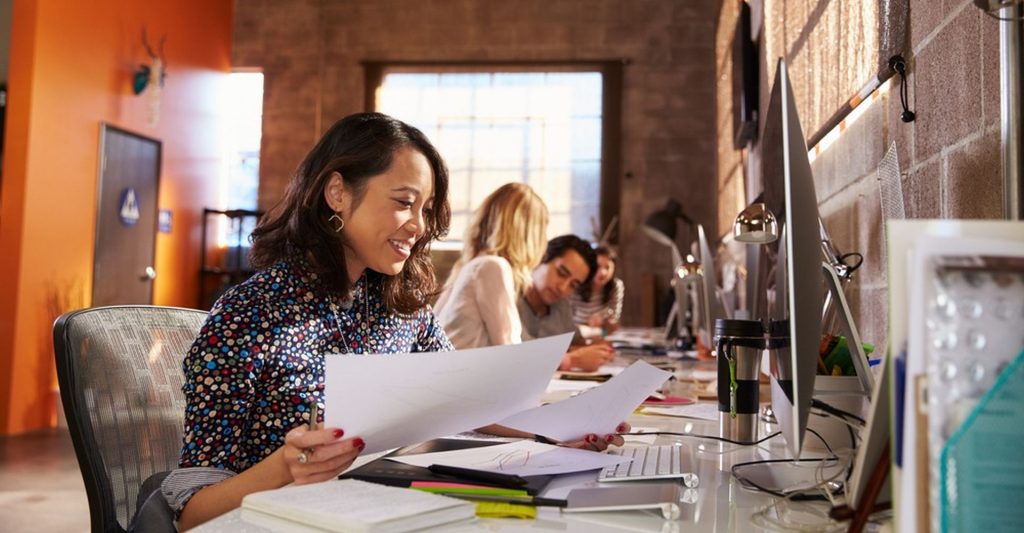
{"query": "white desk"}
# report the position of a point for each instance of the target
(719, 503)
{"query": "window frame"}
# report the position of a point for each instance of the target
(609, 201)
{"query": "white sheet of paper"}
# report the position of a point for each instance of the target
(701, 374)
(646, 439)
(521, 458)
(598, 410)
(558, 385)
(701, 410)
(400, 399)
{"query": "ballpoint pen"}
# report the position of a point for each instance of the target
(494, 478)
(314, 414)
(524, 500)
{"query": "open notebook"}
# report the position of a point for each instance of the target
(351, 505)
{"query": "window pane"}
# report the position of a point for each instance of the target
(240, 183)
(540, 128)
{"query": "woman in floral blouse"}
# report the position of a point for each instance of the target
(344, 268)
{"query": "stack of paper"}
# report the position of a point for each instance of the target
(351, 505)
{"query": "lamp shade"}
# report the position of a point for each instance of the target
(756, 224)
(661, 224)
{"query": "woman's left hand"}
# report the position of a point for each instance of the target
(597, 443)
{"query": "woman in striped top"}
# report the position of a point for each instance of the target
(599, 303)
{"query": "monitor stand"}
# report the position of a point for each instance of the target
(676, 327)
(849, 327)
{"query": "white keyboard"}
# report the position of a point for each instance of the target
(652, 462)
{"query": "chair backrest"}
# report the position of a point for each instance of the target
(119, 370)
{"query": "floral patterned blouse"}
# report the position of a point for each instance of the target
(259, 360)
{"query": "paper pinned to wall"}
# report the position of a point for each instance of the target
(402, 399)
(598, 410)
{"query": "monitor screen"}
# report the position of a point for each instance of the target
(796, 293)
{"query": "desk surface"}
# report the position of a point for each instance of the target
(719, 503)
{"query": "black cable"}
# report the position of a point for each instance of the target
(797, 495)
(835, 411)
(850, 268)
(824, 442)
(710, 437)
(898, 64)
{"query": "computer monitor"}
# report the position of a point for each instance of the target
(710, 306)
(795, 312)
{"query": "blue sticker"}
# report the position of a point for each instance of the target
(128, 211)
(164, 220)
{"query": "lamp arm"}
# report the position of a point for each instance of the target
(677, 258)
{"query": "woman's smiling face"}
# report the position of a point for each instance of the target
(383, 226)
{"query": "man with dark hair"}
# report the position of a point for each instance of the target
(544, 309)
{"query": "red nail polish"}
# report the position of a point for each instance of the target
(358, 443)
(609, 438)
(620, 428)
(591, 438)
(338, 433)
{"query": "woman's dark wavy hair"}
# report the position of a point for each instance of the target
(586, 291)
(358, 147)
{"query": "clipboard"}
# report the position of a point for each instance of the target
(398, 474)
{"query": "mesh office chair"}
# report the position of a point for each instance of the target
(119, 370)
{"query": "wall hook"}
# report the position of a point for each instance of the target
(899, 64)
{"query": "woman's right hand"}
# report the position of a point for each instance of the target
(326, 454)
(588, 358)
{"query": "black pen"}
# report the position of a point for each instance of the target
(494, 478)
(535, 501)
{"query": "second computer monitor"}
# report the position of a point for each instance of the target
(795, 311)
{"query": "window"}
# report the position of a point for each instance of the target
(540, 126)
(241, 173)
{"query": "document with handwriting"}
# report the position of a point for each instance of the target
(400, 399)
(598, 410)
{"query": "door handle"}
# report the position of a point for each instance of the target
(148, 275)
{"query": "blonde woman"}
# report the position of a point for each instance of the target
(505, 240)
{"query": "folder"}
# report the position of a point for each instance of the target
(398, 474)
(982, 469)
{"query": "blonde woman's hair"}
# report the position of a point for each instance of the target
(512, 223)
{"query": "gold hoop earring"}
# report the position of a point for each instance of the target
(341, 222)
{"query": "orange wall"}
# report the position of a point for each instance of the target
(71, 65)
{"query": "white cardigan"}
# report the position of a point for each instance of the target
(478, 308)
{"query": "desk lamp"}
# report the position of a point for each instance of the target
(690, 269)
(661, 226)
(756, 224)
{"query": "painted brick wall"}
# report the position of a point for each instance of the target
(949, 156)
(310, 53)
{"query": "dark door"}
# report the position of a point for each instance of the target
(126, 219)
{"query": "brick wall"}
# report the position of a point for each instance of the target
(949, 155)
(310, 53)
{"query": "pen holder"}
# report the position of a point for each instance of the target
(739, 346)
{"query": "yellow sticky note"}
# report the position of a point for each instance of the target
(505, 510)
